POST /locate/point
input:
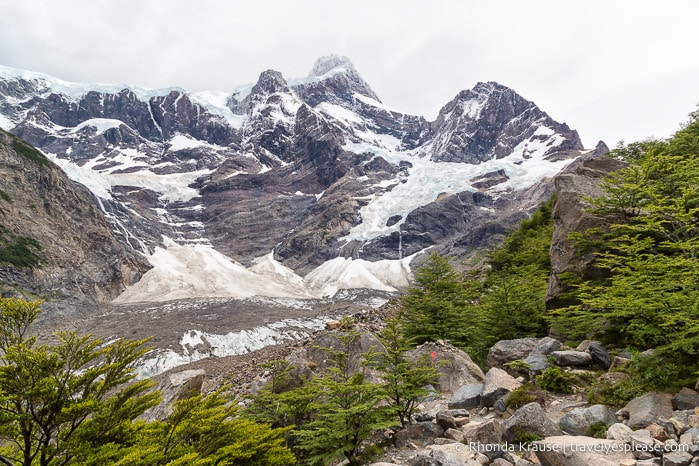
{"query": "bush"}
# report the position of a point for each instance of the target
(553, 379)
(520, 397)
(524, 437)
(598, 429)
(618, 394)
(646, 373)
(518, 365)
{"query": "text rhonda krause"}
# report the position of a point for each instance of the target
(565, 447)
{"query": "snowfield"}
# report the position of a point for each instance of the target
(184, 271)
(196, 345)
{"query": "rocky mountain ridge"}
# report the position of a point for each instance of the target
(315, 171)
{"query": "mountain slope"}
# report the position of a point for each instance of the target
(49, 218)
(310, 170)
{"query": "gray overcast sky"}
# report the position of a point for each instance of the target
(610, 69)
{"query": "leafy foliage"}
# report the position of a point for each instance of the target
(650, 298)
(598, 429)
(404, 381)
(56, 401)
(476, 310)
(348, 411)
(650, 372)
(529, 244)
(334, 412)
(438, 306)
(201, 431)
(524, 437)
(283, 402)
(553, 379)
(519, 397)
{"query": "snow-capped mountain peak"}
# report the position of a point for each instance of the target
(316, 169)
(332, 63)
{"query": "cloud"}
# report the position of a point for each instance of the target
(593, 64)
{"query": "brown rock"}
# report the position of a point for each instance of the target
(333, 325)
(658, 432)
(488, 432)
(455, 366)
(421, 434)
(445, 420)
(461, 421)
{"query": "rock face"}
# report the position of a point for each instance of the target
(455, 366)
(578, 421)
(318, 354)
(175, 387)
(462, 138)
(80, 258)
(579, 180)
(572, 358)
(643, 410)
(619, 432)
(307, 170)
(600, 356)
(505, 351)
(467, 396)
(532, 419)
(685, 399)
(497, 384)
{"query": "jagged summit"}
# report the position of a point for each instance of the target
(326, 64)
(269, 82)
(493, 121)
(334, 79)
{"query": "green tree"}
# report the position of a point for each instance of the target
(201, 431)
(57, 401)
(439, 306)
(285, 402)
(346, 414)
(404, 381)
(528, 244)
(514, 303)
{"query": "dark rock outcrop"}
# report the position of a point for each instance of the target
(489, 121)
(685, 399)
